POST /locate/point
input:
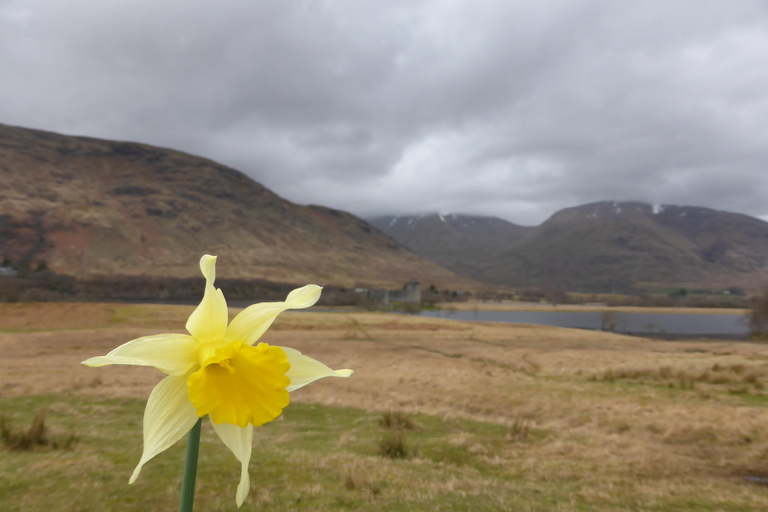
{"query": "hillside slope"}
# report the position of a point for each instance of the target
(87, 206)
(612, 246)
(457, 242)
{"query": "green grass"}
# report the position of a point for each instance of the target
(320, 458)
(314, 458)
(754, 400)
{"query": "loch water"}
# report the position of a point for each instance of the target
(658, 325)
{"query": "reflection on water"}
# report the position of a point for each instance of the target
(665, 325)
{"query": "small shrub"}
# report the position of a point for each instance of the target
(623, 427)
(738, 368)
(519, 431)
(355, 481)
(406, 307)
(64, 442)
(24, 440)
(394, 446)
(751, 378)
(721, 379)
(34, 437)
(396, 420)
(758, 317)
(665, 372)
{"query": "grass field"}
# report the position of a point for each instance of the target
(473, 416)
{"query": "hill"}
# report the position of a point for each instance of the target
(86, 206)
(624, 246)
(457, 242)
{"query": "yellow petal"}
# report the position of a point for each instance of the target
(252, 322)
(209, 320)
(168, 416)
(304, 297)
(304, 369)
(241, 385)
(239, 440)
(173, 354)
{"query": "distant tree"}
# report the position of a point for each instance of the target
(678, 294)
(557, 297)
(758, 318)
(23, 268)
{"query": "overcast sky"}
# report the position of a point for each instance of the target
(495, 107)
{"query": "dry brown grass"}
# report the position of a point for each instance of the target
(736, 377)
(655, 418)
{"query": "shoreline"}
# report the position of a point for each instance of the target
(586, 308)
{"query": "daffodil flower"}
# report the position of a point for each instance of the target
(217, 371)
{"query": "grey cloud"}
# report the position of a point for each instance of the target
(512, 109)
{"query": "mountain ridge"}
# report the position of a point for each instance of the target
(455, 240)
(609, 246)
(89, 206)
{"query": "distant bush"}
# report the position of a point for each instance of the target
(691, 298)
(758, 318)
(675, 300)
(35, 436)
(44, 286)
(406, 307)
(11, 289)
(531, 295)
(396, 420)
(519, 431)
(431, 295)
(394, 446)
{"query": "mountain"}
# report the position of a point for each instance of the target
(623, 246)
(87, 206)
(457, 242)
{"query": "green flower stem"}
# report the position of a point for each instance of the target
(190, 469)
